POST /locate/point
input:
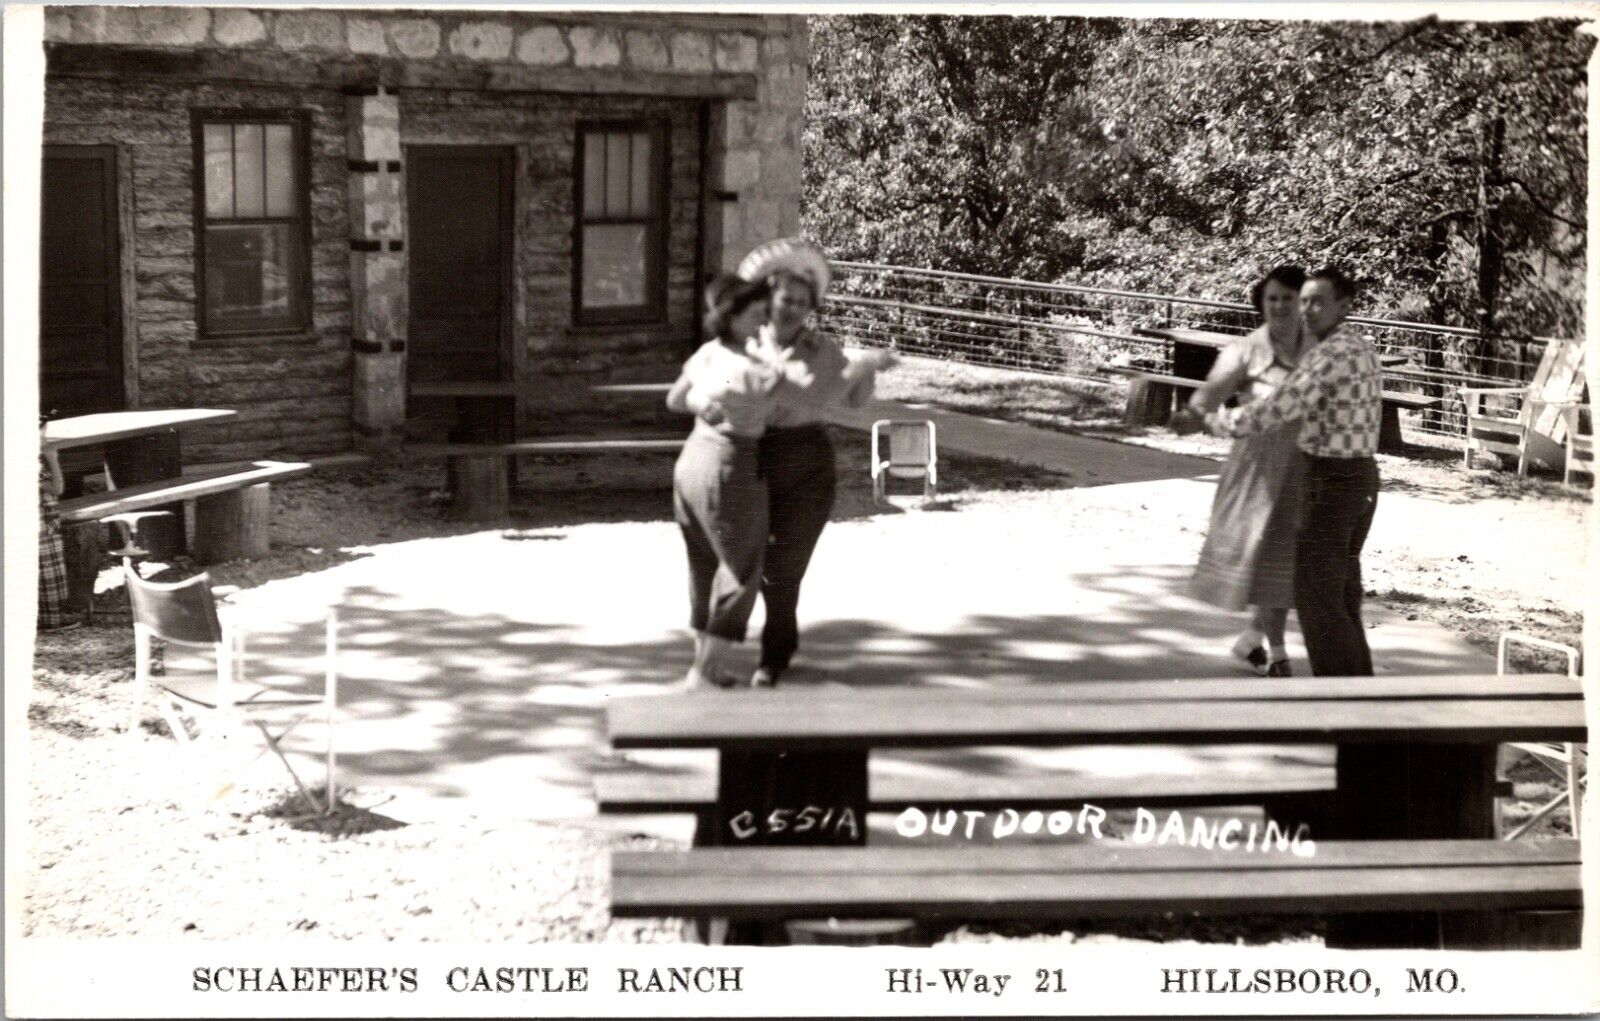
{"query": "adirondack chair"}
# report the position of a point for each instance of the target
(1529, 422)
(1580, 443)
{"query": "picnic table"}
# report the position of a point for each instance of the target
(1195, 351)
(1415, 767)
(148, 486)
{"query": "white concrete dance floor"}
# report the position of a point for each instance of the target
(475, 668)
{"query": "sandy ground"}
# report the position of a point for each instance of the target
(476, 661)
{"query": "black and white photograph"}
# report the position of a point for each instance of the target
(638, 509)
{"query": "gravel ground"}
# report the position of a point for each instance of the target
(115, 851)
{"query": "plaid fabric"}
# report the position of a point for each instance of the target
(1336, 394)
(52, 562)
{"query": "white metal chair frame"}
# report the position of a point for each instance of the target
(883, 467)
(233, 704)
(1567, 761)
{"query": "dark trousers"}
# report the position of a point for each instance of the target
(798, 467)
(720, 504)
(1340, 497)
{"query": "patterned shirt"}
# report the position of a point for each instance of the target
(1336, 394)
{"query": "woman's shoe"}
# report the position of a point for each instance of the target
(1257, 660)
(1279, 668)
(765, 677)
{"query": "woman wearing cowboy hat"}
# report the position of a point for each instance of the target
(795, 455)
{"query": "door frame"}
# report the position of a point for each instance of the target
(506, 242)
(119, 230)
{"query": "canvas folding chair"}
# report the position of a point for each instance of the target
(1567, 761)
(912, 453)
(185, 613)
(1530, 422)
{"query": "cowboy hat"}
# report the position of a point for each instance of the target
(788, 255)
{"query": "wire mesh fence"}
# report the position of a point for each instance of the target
(1070, 330)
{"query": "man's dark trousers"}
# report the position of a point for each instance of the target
(1340, 497)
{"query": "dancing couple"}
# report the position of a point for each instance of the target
(755, 483)
(1297, 496)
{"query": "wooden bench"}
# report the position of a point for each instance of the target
(1151, 394)
(232, 506)
(1389, 439)
(1415, 767)
(1297, 793)
(480, 480)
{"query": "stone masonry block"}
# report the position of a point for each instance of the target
(377, 295)
(376, 210)
(647, 50)
(544, 45)
(691, 51)
(78, 24)
(309, 30)
(739, 122)
(374, 128)
(734, 243)
(595, 47)
(378, 393)
(736, 52)
(415, 37)
(741, 168)
(481, 40)
(762, 220)
(238, 28)
(775, 49)
(365, 36)
(157, 26)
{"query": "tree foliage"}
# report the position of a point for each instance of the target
(1443, 162)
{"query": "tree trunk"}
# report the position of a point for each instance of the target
(1491, 252)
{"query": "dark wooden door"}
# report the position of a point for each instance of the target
(459, 202)
(80, 293)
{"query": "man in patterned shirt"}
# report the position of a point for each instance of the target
(1337, 395)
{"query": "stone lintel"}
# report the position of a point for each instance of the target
(342, 71)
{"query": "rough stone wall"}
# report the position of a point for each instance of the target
(292, 393)
(559, 361)
(296, 396)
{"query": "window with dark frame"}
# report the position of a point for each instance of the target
(252, 243)
(618, 264)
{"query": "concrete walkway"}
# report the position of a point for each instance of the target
(1088, 461)
(476, 668)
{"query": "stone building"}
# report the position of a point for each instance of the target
(357, 224)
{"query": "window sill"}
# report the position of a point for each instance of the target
(260, 340)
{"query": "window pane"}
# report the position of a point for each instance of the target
(594, 175)
(617, 165)
(641, 175)
(613, 265)
(219, 169)
(250, 276)
(248, 195)
(280, 170)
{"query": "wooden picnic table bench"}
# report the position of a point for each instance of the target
(1415, 762)
(232, 505)
(1389, 438)
(480, 476)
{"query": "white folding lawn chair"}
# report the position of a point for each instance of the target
(185, 613)
(1567, 761)
(904, 449)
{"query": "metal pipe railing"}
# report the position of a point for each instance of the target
(1071, 328)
